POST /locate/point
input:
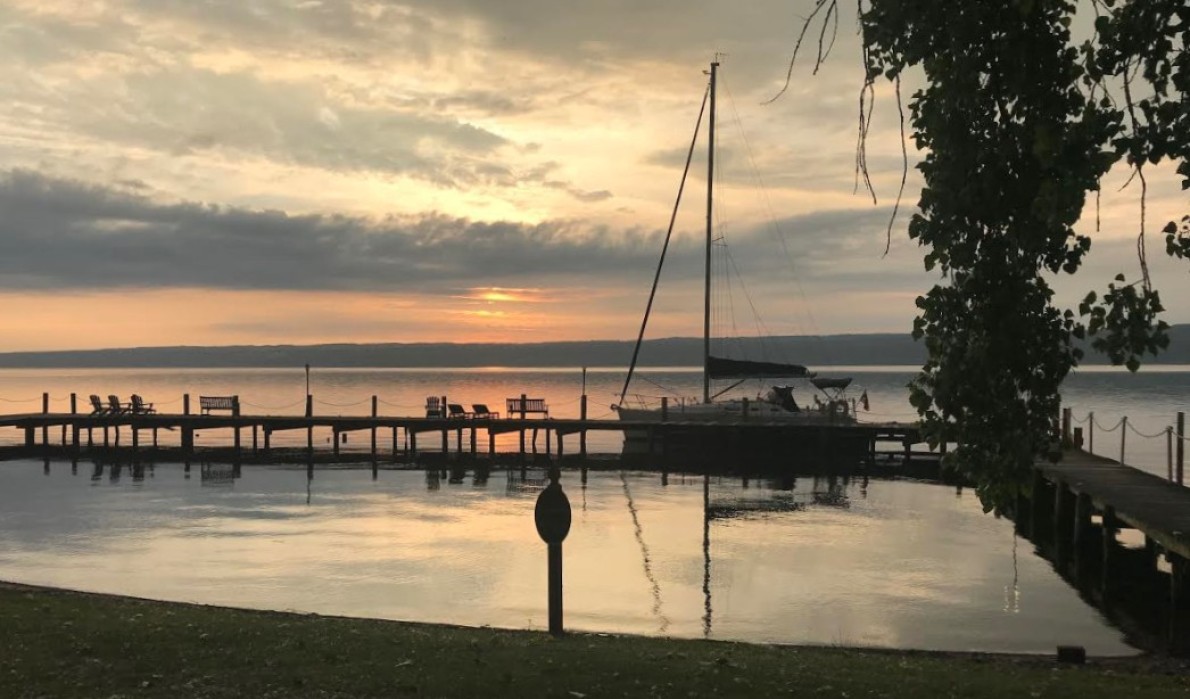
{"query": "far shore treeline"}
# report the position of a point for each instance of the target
(814, 351)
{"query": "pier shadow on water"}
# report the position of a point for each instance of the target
(1119, 571)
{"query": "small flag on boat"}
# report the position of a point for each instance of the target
(864, 400)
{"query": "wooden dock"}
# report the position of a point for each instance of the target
(80, 430)
(1074, 513)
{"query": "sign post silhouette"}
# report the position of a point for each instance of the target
(552, 517)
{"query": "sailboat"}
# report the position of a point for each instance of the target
(777, 404)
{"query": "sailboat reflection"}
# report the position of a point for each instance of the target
(829, 492)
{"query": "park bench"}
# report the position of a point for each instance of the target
(525, 406)
(209, 403)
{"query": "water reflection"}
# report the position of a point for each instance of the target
(784, 559)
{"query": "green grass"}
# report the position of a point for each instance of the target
(65, 644)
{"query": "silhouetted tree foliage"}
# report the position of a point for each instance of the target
(1019, 124)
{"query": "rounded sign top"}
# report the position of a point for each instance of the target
(552, 514)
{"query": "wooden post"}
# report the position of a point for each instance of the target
(1110, 527)
(412, 443)
(445, 437)
(1082, 531)
(1181, 446)
(254, 437)
(395, 443)
(235, 414)
(310, 423)
(1123, 437)
(1091, 432)
(582, 413)
(73, 411)
(1179, 599)
(135, 438)
(373, 427)
(268, 439)
(745, 407)
(1067, 436)
(664, 408)
(474, 430)
(524, 402)
(1169, 453)
(45, 427)
(1064, 506)
(185, 403)
(187, 439)
(335, 438)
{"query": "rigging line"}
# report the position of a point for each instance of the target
(668, 234)
(644, 552)
(805, 309)
(667, 389)
(761, 329)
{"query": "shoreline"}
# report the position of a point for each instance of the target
(69, 643)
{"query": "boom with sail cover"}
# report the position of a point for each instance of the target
(726, 369)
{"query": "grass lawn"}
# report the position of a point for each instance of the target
(65, 644)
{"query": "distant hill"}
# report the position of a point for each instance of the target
(827, 350)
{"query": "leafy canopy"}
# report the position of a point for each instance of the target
(1019, 124)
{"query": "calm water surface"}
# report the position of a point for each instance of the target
(890, 564)
(1150, 398)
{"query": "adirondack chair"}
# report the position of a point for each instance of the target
(97, 406)
(434, 407)
(115, 407)
(140, 407)
(480, 410)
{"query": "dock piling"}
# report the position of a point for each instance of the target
(374, 413)
(1181, 446)
(582, 412)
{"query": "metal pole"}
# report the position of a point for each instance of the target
(706, 318)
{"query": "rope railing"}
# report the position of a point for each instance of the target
(275, 407)
(1172, 435)
(1138, 433)
(342, 405)
(20, 400)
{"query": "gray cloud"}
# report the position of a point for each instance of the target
(63, 234)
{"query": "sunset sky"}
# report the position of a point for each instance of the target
(210, 172)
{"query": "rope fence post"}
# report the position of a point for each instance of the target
(1091, 430)
(1169, 453)
(1181, 449)
(1123, 437)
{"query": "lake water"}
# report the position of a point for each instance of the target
(889, 564)
(881, 563)
(1150, 399)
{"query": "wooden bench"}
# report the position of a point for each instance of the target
(524, 406)
(209, 403)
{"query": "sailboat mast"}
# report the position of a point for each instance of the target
(706, 313)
